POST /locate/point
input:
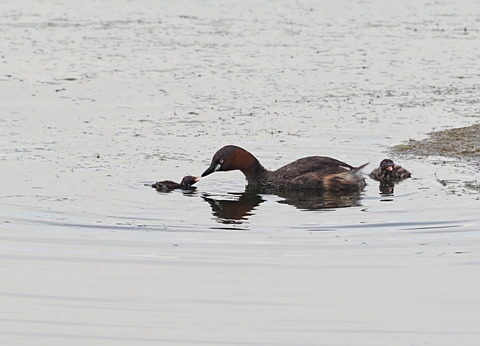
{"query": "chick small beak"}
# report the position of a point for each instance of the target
(389, 168)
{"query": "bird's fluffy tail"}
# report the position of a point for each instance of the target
(357, 170)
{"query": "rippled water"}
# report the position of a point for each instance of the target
(102, 99)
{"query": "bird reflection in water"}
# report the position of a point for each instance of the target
(386, 188)
(235, 208)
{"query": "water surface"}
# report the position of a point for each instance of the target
(101, 100)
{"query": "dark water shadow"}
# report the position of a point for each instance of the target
(314, 200)
(235, 208)
(387, 187)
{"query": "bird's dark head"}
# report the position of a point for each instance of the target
(387, 165)
(230, 158)
(188, 181)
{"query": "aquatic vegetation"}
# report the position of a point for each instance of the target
(461, 142)
(473, 185)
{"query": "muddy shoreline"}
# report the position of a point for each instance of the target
(461, 143)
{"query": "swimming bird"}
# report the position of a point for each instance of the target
(168, 185)
(388, 170)
(314, 172)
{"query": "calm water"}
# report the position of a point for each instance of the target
(100, 100)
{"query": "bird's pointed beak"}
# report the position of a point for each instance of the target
(209, 170)
(389, 168)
